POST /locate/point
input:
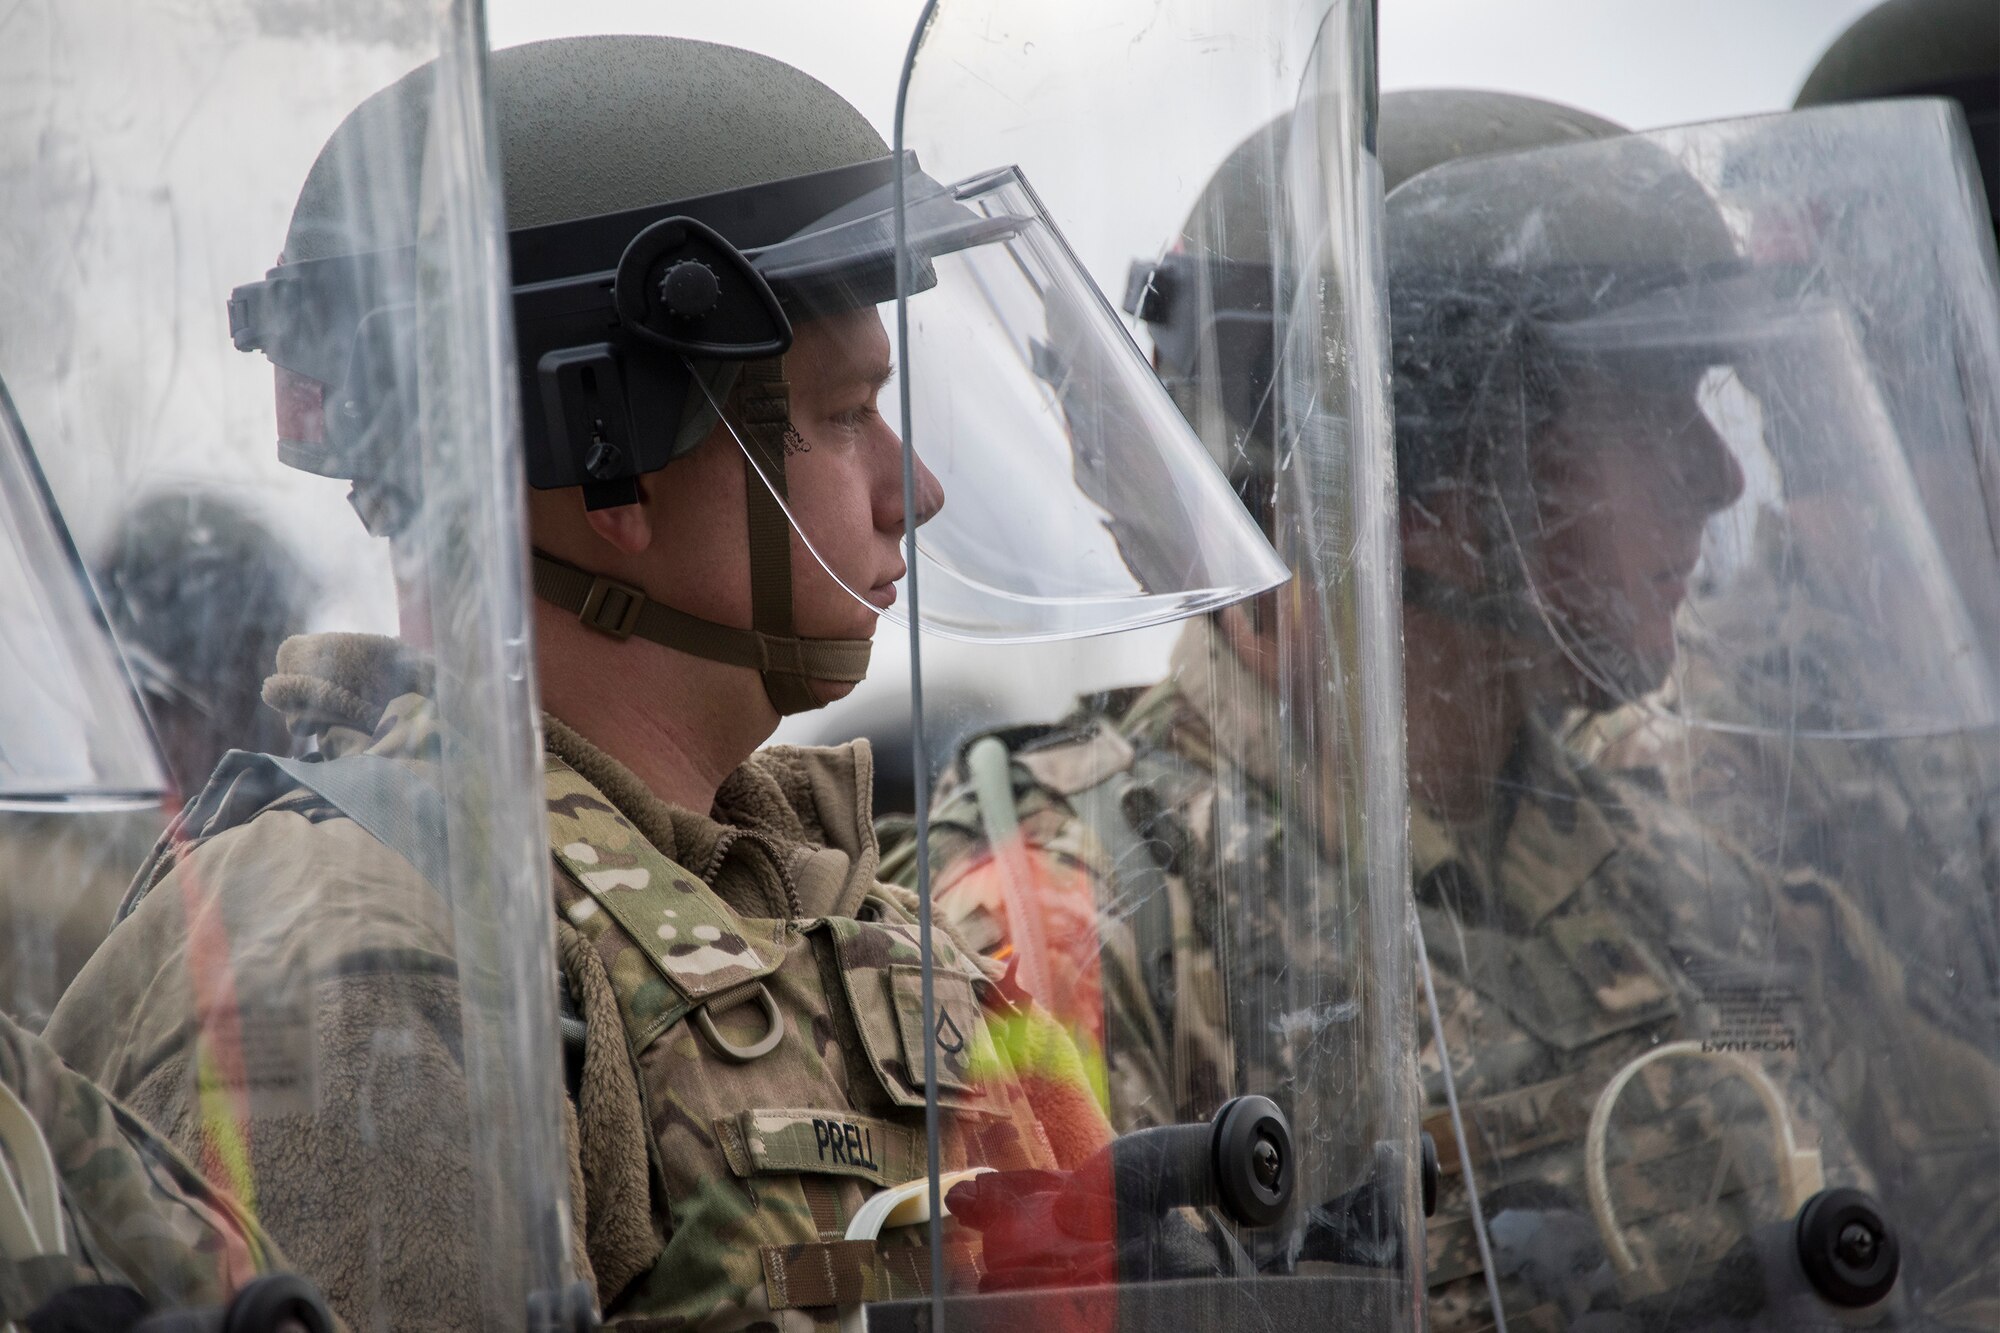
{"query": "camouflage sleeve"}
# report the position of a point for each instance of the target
(308, 1059)
(140, 1211)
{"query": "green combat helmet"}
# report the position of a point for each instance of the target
(1211, 328)
(1922, 48)
(748, 150)
(199, 675)
(1474, 383)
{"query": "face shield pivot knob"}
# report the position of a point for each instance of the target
(689, 290)
(669, 288)
(1847, 1248)
(1252, 1160)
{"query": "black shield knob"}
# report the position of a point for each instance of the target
(690, 290)
(1847, 1248)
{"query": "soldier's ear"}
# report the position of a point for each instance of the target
(626, 528)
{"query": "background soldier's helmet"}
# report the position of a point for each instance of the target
(1208, 302)
(1473, 291)
(201, 593)
(1922, 48)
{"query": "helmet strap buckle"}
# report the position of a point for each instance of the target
(612, 607)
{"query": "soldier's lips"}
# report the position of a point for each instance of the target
(882, 596)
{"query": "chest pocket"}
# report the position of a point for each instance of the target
(881, 972)
(1578, 980)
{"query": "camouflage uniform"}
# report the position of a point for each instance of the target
(66, 871)
(1174, 795)
(1579, 924)
(1584, 922)
(1906, 822)
(710, 1192)
(135, 1213)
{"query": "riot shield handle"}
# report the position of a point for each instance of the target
(1241, 1161)
(1799, 1167)
(1847, 1247)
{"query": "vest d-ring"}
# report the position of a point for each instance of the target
(774, 1027)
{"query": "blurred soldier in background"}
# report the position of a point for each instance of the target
(178, 558)
(102, 1222)
(1637, 435)
(1644, 1020)
(1914, 804)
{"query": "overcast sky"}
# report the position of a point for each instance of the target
(1642, 62)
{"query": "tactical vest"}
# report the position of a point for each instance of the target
(1166, 1050)
(780, 1063)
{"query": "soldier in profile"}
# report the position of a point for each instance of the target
(1651, 1052)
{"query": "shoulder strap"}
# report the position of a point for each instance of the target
(690, 936)
(399, 807)
(1093, 774)
(396, 804)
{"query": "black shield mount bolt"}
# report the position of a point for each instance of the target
(1252, 1158)
(690, 290)
(1847, 1248)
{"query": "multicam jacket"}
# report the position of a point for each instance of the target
(134, 1212)
(1584, 922)
(1154, 841)
(1811, 784)
(746, 992)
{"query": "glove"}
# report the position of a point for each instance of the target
(1041, 1228)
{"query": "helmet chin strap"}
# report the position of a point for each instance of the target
(787, 663)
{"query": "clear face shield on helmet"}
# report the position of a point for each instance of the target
(329, 989)
(1704, 879)
(1018, 544)
(74, 736)
(1180, 871)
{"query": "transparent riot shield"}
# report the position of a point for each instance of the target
(83, 776)
(1182, 896)
(1696, 434)
(326, 1010)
